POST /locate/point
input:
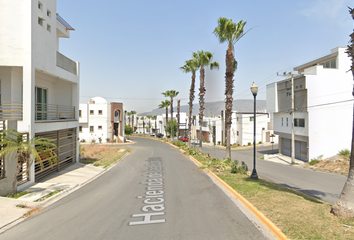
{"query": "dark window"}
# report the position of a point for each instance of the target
(299, 122)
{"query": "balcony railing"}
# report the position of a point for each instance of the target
(51, 112)
(66, 63)
(11, 110)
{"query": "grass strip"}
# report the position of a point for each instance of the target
(298, 215)
(48, 195)
(18, 195)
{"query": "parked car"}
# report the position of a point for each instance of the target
(159, 135)
(183, 139)
(195, 141)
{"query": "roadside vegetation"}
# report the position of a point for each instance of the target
(336, 164)
(101, 155)
(297, 215)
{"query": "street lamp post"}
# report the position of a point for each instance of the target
(254, 90)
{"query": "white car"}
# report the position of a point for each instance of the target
(195, 141)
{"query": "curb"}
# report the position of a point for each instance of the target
(269, 224)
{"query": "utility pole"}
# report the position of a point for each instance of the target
(292, 112)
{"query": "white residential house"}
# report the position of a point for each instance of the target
(39, 86)
(241, 128)
(101, 121)
(323, 107)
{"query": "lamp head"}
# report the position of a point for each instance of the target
(254, 89)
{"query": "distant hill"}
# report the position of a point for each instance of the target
(214, 108)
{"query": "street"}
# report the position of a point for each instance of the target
(155, 193)
(324, 186)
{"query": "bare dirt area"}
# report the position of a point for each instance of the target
(101, 155)
(336, 164)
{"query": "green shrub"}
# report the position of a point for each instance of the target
(180, 144)
(344, 153)
(260, 142)
(192, 151)
(316, 160)
(219, 142)
(235, 168)
(249, 144)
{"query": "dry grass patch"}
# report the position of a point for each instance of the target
(101, 155)
(335, 164)
(299, 216)
(32, 211)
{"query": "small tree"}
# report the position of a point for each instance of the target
(128, 130)
(174, 127)
(26, 151)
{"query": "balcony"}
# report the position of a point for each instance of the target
(11, 110)
(66, 63)
(52, 112)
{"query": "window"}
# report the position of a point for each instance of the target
(91, 129)
(40, 5)
(40, 21)
(80, 128)
(330, 64)
(237, 119)
(299, 122)
(205, 124)
(282, 121)
(41, 103)
(237, 133)
(91, 112)
(251, 119)
(300, 86)
(100, 112)
(49, 28)
(49, 14)
(99, 127)
(287, 122)
(79, 113)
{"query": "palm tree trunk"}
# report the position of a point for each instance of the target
(171, 118)
(178, 118)
(201, 106)
(229, 84)
(344, 207)
(166, 128)
(191, 98)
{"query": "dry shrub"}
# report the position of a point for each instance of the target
(93, 151)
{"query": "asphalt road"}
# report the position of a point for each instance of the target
(132, 201)
(324, 186)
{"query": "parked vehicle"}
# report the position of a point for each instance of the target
(183, 139)
(159, 135)
(195, 141)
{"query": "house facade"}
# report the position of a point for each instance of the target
(323, 107)
(101, 121)
(39, 85)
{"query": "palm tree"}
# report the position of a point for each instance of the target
(125, 121)
(230, 32)
(149, 117)
(344, 207)
(203, 60)
(190, 66)
(165, 104)
(38, 148)
(171, 94)
(133, 113)
(155, 118)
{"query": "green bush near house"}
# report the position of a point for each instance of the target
(344, 153)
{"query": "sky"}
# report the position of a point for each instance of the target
(132, 51)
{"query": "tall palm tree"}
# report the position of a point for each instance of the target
(203, 60)
(165, 104)
(149, 117)
(125, 117)
(344, 207)
(12, 142)
(171, 94)
(133, 113)
(155, 119)
(230, 32)
(190, 66)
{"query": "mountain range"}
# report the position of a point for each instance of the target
(214, 108)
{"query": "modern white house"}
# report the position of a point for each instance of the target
(39, 85)
(241, 128)
(143, 125)
(323, 107)
(101, 121)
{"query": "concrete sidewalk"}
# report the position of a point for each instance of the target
(67, 181)
(280, 158)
